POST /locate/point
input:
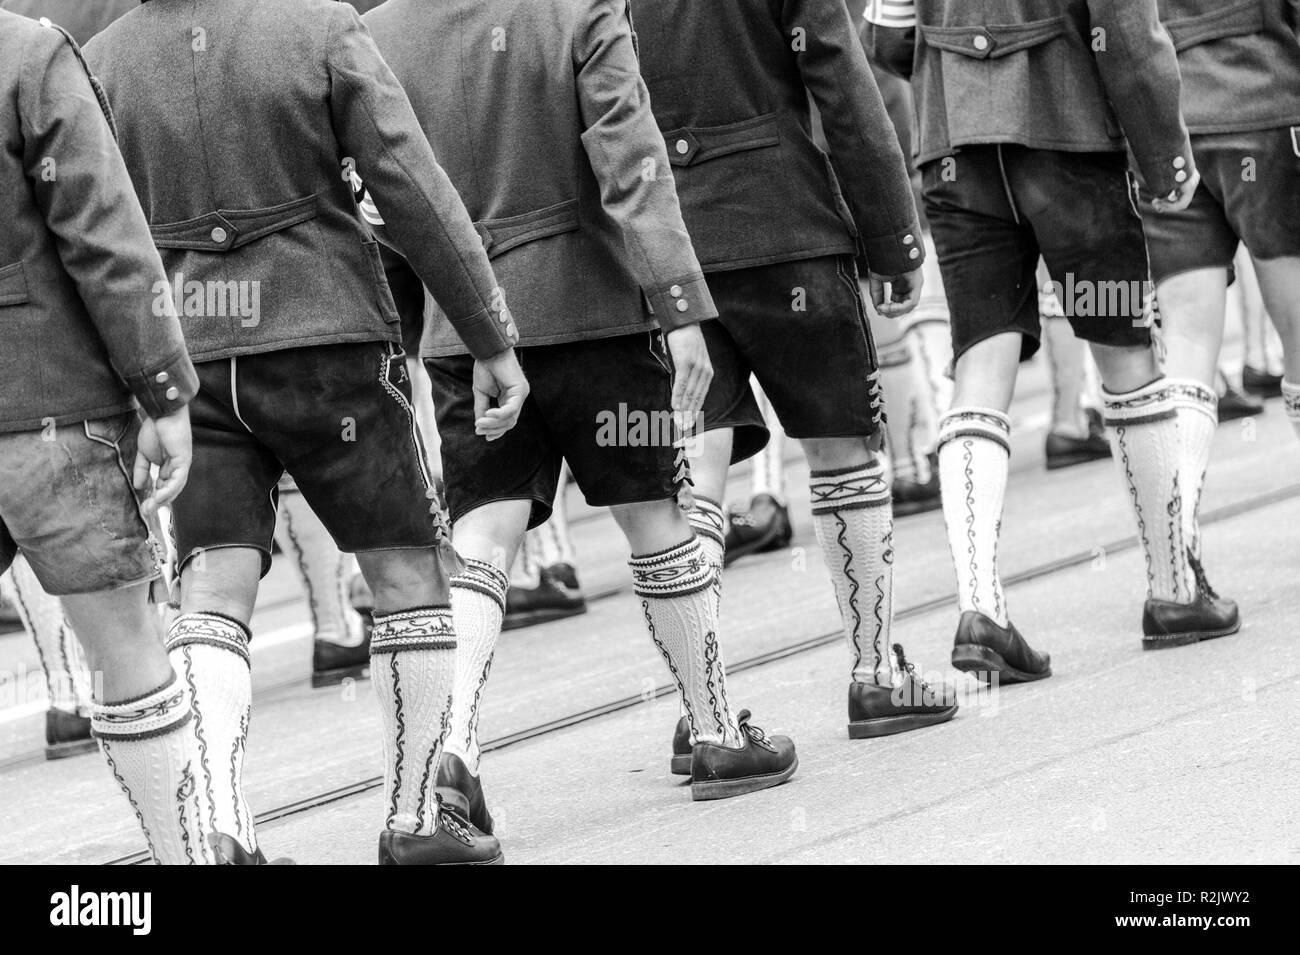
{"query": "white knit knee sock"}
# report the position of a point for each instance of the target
(855, 526)
(413, 669)
(1291, 401)
(676, 589)
(1198, 417)
(768, 474)
(152, 751)
(1145, 436)
(931, 344)
(326, 572)
(210, 653)
(478, 604)
(67, 681)
(974, 457)
(899, 380)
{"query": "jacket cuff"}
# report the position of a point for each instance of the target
(685, 302)
(489, 332)
(895, 254)
(165, 388)
(1165, 174)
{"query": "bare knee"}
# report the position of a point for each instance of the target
(222, 580)
(404, 579)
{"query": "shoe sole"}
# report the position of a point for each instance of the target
(890, 725)
(982, 661)
(498, 859)
(726, 788)
(70, 748)
(534, 617)
(681, 765)
(1168, 642)
(320, 678)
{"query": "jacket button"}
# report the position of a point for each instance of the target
(512, 333)
(218, 234)
(675, 291)
(1180, 176)
(681, 305)
(981, 42)
(1179, 162)
(161, 377)
(914, 254)
(173, 393)
(683, 147)
(909, 239)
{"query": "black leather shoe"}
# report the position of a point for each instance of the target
(1064, 451)
(681, 762)
(718, 772)
(461, 790)
(332, 663)
(1167, 624)
(914, 497)
(228, 851)
(886, 710)
(1233, 405)
(747, 535)
(983, 648)
(453, 842)
(1260, 383)
(566, 575)
(551, 599)
(67, 734)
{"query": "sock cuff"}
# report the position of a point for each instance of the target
(155, 714)
(483, 578)
(1291, 398)
(845, 489)
(420, 628)
(707, 520)
(1191, 394)
(205, 628)
(1146, 405)
(970, 422)
(675, 572)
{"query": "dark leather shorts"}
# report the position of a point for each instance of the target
(339, 419)
(994, 210)
(800, 328)
(1249, 193)
(603, 406)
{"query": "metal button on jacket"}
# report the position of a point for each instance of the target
(675, 291)
(683, 147)
(173, 393)
(682, 306)
(914, 254)
(981, 42)
(162, 377)
(218, 234)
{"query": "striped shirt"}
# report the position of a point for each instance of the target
(891, 13)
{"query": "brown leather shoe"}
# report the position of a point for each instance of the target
(885, 710)
(719, 772)
(453, 843)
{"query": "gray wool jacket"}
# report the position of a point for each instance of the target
(240, 121)
(1069, 75)
(83, 332)
(539, 114)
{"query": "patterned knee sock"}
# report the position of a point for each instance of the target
(478, 604)
(1291, 401)
(153, 754)
(67, 681)
(855, 526)
(210, 652)
(1198, 417)
(1146, 440)
(974, 457)
(768, 474)
(326, 572)
(676, 588)
(413, 668)
(931, 344)
(707, 521)
(898, 379)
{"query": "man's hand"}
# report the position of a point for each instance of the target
(499, 378)
(1181, 197)
(904, 292)
(692, 371)
(165, 442)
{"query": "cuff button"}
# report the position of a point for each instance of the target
(682, 306)
(1180, 162)
(675, 291)
(914, 254)
(909, 239)
(173, 393)
(162, 377)
(1180, 176)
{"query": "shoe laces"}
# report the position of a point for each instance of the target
(755, 734)
(908, 667)
(450, 820)
(1202, 582)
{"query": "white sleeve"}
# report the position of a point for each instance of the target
(891, 13)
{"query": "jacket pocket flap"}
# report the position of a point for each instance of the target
(696, 144)
(229, 229)
(1240, 19)
(993, 42)
(13, 285)
(502, 235)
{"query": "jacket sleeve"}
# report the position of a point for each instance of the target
(82, 187)
(1139, 69)
(628, 155)
(864, 148)
(423, 214)
(888, 33)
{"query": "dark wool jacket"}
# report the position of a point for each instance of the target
(730, 82)
(1240, 62)
(539, 115)
(82, 18)
(83, 330)
(236, 118)
(1070, 75)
